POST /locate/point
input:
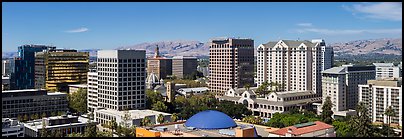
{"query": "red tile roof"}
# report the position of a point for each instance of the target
(303, 130)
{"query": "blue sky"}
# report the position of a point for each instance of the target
(111, 25)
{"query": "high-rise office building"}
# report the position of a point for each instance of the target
(341, 85)
(327, 57)
(159, 65)
(293, 65)
(5, 67)
(184, 66)
(121, 79)
(23, 74)
(378, 95)
(92, 91)
(231, 64)
(387, 70)
(56, 69)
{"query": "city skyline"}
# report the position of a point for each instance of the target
(112, 25)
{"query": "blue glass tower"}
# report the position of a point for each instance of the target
(23, 76)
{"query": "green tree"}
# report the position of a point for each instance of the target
(20, 118)
(342, 128)
(146, 121)
(43, 115)
(174, 117)
(26, 117)
(58, 133)
(361, 123)
(159, 106)
(60, 113)
(44, 131)
(125, 129)
(263, 88)
(389, 113)
(78, 101)
(152, 97)
(326, 114)
(113, 125)
(247, 86)
(91, 129)
(76, 135)
(160, 118)
(53, 114)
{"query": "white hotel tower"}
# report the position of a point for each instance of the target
(296, 65)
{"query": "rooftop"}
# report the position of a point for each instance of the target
(78, 85)
(135, 114)
(37, 124)
(193, 89)
(304, 128)
(294, 93)
(383, 64)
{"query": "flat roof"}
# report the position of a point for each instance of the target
(37, 124)
(186, 132)
(135, 114)
(78, 85)
(303, 128)
(194, 89)
(23, 90)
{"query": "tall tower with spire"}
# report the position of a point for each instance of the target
(156, 52)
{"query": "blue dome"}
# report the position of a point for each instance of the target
(210, 119)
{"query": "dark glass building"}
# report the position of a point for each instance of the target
(23, 75)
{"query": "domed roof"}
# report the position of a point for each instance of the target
(210, 119)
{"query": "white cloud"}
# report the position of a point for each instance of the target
(350, 31)
(305, 24)
(83, 29)
(383, 10)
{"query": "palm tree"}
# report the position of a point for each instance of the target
(389, 113)
(146, 121)
(174, 117)
(160, 118)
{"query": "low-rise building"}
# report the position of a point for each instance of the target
(272, 103)
(75, 87)
(66, 124)
(32, 101)
(103, 116)
(378, 95)
(209, 123)
(310, 129)
(193, 91)
(11, 128)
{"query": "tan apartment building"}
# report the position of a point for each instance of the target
(56, 69)
(231, 64)
(183, 66)
(378, 95)
(294, 65)
(160, 66)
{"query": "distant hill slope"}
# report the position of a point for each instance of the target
(369, 47)
(388, 46)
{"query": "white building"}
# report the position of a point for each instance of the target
(103, 116)
(341, 84)
(5, 67)
(5, 84)
(194, 91)
(66, 124)
(92, 91)
(11, 128)
(271, 103)
(121, 79)
(387, 70)
(378, 95)
(296, 65)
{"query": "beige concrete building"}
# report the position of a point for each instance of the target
(183, 66)
(75, 87)
(341, 84)
(231, 64)
(387, 70)
(378, 95)
(295, 65)
(158, 65)
(310, 129)
(275, 102)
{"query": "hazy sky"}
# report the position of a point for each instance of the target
(110, 25)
